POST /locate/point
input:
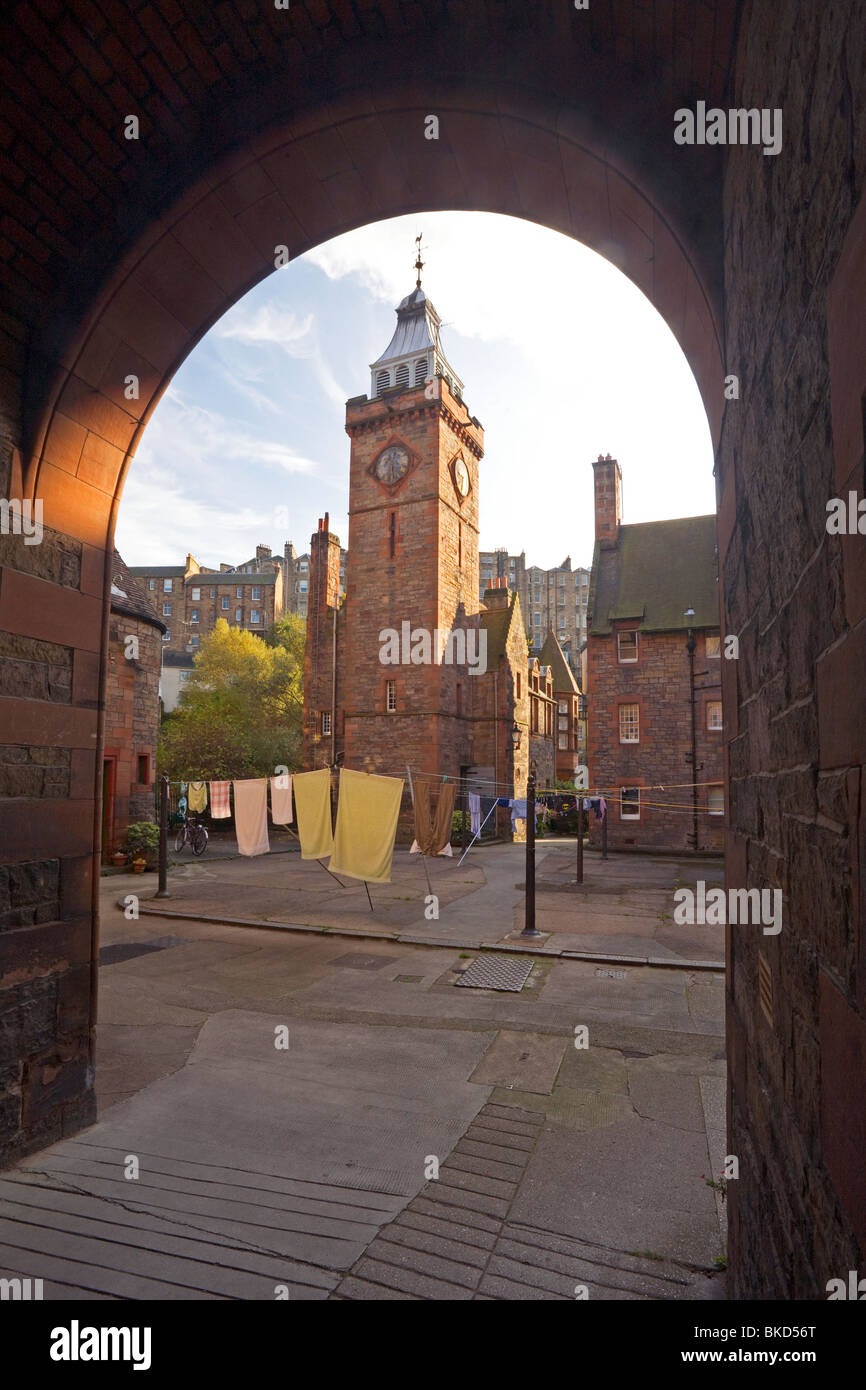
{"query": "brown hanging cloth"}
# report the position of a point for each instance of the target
(433, 829)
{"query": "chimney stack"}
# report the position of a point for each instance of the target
(608, 500)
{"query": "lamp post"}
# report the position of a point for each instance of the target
(529, 927)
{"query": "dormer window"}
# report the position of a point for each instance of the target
(383, 381)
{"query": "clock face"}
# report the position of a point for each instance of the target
(461, 477)
(392, 465)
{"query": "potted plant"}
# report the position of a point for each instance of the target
(142, 843)
(118, 858)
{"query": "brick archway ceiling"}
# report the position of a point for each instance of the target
(261, 127)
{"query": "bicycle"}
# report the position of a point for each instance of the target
(193, 834)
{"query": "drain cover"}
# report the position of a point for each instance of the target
(356, 961)
(496, 972)
(612, 974)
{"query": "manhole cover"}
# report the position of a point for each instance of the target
(128, 950)
(496, 972)
(408, 979)
(355, 961)
(612, 974)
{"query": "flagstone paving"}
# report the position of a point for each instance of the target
(292, 1113)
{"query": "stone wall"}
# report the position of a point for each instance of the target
(659, 684)
(795, 273)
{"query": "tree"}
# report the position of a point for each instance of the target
(241, 711)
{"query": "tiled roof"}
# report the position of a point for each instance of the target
(130, 597)
(206, 581)
(553, 656)
(157, 571)
(656, 571)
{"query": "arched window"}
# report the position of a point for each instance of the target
(420, 371)
(383, 381)
(403, 374)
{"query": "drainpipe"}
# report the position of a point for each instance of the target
(690, 648)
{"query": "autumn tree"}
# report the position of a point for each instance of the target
(241, 710)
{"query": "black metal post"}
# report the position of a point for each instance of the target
(162, 890)
(529, 928)
(580, 839)
(464, 804)
(604, 835)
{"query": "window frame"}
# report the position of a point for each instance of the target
(622, 802)
(626, 632)
(628, 705)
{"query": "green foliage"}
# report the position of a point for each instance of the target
(142, 838)
(457, 822)
(241, 711)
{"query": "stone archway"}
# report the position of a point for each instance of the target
(261, 128)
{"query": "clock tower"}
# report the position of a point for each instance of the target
(412, 569)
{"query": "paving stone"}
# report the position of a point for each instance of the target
(408, 1257)
(410, 1281)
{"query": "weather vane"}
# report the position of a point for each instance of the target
(419, 264)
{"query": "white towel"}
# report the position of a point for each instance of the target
(251, 815)
(281, 800)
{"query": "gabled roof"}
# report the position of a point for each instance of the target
(654, 572)
(553, 656)
(498, 623)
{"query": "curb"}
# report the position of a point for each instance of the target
(362, 935)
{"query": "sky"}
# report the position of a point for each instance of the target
(561, 356)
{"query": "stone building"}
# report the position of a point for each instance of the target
(462, 706)
(190, 598)
(570, 711)
(654, 678)
(131, 709)
(553, 599)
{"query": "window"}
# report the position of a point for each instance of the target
(326, 721)
(392, 534)
(304, 565)
(716, 799)
(166, 610)
(518, 685)
(714, 714)
(213, 593)
(536, 620)
(239, 613)
(166, 636)
(196, 595)
(224, 602)
(563, 707)
(144, 767)
(257, 593)
(193, 641)
(184, 676)
(151, 583)
(629, 724)
(562, 620)
(239, 591)
(629, 807)
(193, 617)
(255, 616)
(563, 741)
(302, 587)
(383, 380)
(390, 696)
(626, 643)
(714, 643)
(166, 586)
(563, 722)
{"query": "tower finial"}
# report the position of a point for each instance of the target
(419, 264)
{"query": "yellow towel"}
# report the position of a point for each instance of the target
(312, 792)
(197, 796)
(367, 815)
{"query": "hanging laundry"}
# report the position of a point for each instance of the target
(181, 807)
(433, 830)
(601, 809)
(197, 796)
(367, 814)
(220, 806)
(475, 812)
(251, 816)
(312, 793)
(281, 800)
(518, 810)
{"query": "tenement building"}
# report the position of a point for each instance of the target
(549, 599)
(412, 670)
(654, 680)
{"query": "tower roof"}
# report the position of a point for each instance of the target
(415, 346)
